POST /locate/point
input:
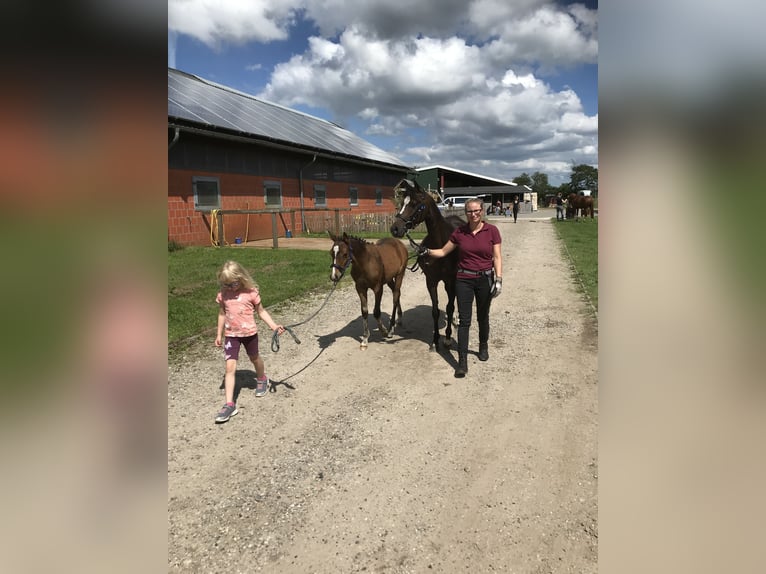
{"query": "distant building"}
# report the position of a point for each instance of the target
(450, 182)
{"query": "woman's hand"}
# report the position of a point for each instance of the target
(497, 288)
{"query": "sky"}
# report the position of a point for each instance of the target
(492, 87)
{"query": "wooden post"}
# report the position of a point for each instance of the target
(337, 221)
(219, 223)
(275, 242)
(292, 222)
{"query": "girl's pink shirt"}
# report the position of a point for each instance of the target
(239, 308)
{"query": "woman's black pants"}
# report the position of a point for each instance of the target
(466, 290)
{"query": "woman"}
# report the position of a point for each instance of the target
(479, 276)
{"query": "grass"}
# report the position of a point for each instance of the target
(581, 244)
(281, 274)
(285, 274)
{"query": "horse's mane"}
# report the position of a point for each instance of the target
(357, 238)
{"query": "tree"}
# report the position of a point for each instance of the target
(540, 183)
(523, 179)
(584, 177)
(565, 189)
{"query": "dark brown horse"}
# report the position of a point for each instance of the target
(417, 207)
(583, 203)
(372, 267)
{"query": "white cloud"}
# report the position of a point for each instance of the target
(392, 19)
(419, 74)
(236, 21)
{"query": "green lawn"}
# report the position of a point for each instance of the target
(580, 240)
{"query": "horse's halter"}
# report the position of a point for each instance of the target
(342, 270)
(410, 222)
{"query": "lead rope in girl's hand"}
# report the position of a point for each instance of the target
(275, 336)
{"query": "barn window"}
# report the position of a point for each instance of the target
(320, 196)
(353, 196)
(272, 194)
(207, 194)
(378, 197)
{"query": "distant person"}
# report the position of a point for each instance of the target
(559, 207)
(479, 277)
(239, 298)
(515, 207)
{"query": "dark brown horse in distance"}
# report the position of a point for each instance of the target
(583, 203)
(373, 265)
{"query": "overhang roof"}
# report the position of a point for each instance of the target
(468, 173)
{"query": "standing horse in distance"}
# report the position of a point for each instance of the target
(418, 206)
(584, 203)
(372, 267)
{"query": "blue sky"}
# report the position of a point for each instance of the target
(486, 86)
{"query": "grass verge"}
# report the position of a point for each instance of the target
(580, 239)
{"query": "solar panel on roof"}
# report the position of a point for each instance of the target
(200, 101)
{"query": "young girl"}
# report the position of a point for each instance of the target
(238, 299)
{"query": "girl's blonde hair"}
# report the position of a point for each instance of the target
(232, 271)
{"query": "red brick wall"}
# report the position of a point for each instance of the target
(190, 227)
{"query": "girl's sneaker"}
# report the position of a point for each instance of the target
(262, 386)
(226, 412)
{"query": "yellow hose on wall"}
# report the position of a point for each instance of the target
(214, 231)
(247, 227)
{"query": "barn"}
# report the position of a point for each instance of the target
(450, 182)
(241, 167)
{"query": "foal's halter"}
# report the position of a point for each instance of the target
(348, 262)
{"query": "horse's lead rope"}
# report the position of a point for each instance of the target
(416, 247)
(275, 336)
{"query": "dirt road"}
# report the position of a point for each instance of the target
(382, 461)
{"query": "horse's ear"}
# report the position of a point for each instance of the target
(331, 235)
(345, 237)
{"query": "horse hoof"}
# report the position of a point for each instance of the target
(362, 347)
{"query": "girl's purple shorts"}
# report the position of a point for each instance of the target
(231, 346)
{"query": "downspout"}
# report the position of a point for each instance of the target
(175, 139)
(300, 183)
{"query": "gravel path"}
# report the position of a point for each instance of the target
(382, 461)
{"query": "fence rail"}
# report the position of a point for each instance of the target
(349, 222)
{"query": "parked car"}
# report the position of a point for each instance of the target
(456, 202)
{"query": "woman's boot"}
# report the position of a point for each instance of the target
(462, 365)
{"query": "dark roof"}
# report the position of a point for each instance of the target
(199, 101)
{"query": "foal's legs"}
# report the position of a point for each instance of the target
(363, 300)
(396, 290)
(376, 310)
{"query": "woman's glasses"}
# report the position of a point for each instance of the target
(232, 284)
(472, 211)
